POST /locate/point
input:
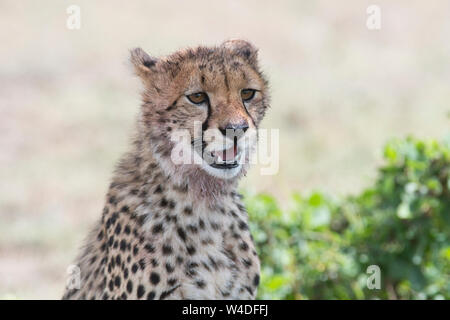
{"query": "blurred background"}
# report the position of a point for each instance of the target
(68, 101)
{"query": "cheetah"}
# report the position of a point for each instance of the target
(173, 230)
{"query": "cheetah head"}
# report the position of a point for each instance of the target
(201, 109)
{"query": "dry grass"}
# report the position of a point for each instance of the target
(68, 100)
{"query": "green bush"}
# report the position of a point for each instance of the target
(320, 247)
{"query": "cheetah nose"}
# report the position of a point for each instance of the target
(243, 125)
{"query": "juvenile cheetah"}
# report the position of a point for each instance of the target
(179, 230)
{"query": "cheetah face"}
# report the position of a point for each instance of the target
(214, 98)
(224, 139)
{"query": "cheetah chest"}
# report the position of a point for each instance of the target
(201, 255)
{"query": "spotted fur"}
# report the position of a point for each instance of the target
(175, 231)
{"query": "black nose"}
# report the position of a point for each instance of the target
(234, 126)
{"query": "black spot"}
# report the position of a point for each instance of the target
(158, 189)
(110, 241)
(118, 228)
(140, 291)
(201, 224)
(181, 233)
(171, 281)
(154, 262)
(200, 283)
(114, 218)
(100, 236)
(170, 218)
(149, 248)
(129, 286)
(142, 264)
(191, 250)
(154, 278)
(123, 245)
(108, 223)
(243, 225)
(169, 268)
(192, 228)
(187, 210)
(167, 249)
(124, 209)
(111, 285)
(151, 295)
(243, 246)
(134, 268)
(163, 202)
(256, 280)
(157, 228)
(127, 229)
(117, 281)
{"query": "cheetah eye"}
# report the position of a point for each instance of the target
(198, 97)
(247, 94)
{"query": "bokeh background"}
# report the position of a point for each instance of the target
(68, 101)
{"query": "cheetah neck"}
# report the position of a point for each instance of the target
(142, 168)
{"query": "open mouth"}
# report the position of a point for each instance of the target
(225, 159)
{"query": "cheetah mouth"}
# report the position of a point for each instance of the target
(225, 159)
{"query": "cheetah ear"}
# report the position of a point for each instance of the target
(142, 62)
(243, 48)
